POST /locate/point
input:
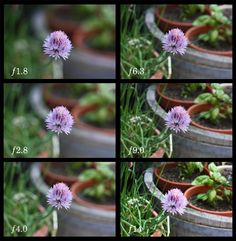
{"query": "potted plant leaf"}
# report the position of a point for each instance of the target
(213, 111)
(183, 94)
(179, 16)
(211, 193)
(100, 115)
(178, 174)
(96, 187)
(212, 34)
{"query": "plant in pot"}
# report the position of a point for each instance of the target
(178, 174)
(170, 95)
(100, 115)
(139, 135)
(23, 210)
(66, 172)
(66, 95)
(225, 169)
(138, 217)
(179, 16)
(102, 27)
(213, 111)
(212, 34)
(96, 187)
(212, 193)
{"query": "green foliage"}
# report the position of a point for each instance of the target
(137, 215)
(221, 102)
(187, 169)
(21, 202)
(22, 50)
(218, 186)
(221, 26)
(101, 18)
(139, 137)
(191, 9)
(104, 98)
(190, 88)
(137, 46)
(22, 129)
(105, 181)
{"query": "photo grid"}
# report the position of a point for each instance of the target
(103, 156)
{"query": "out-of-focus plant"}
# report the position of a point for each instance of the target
(221, 27)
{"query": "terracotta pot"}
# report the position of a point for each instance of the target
(164, 184)
(202, 189)
(52, 178)
(195, 31)
(198, 108)
(53, 100)
(79, 187)
(167, 102)
(78, 112)
(167, 24)
(158, 232)
(159, 153)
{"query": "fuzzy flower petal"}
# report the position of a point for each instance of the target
(59, 196)
(57, 45)
(175, 42)
(178, 119)
(174, 202)
(59, 120)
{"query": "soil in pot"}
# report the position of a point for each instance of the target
(175, 93)
(167, 177)
(170, 95)
(221, 46)
(222, 124)
(220, 206)
(174, 14)
(173, 175)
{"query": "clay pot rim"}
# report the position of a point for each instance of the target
(162, 95)
(78, 186)
(190, 110)
(59, 178)
(80, 111)
(204, 188)
(191, 32)
(169, 181)
(184, 24)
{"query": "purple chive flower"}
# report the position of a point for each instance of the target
(175, 42)
(59, 120)
(59, 196)
(174, 202)
(178, 119)
(57, 45)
